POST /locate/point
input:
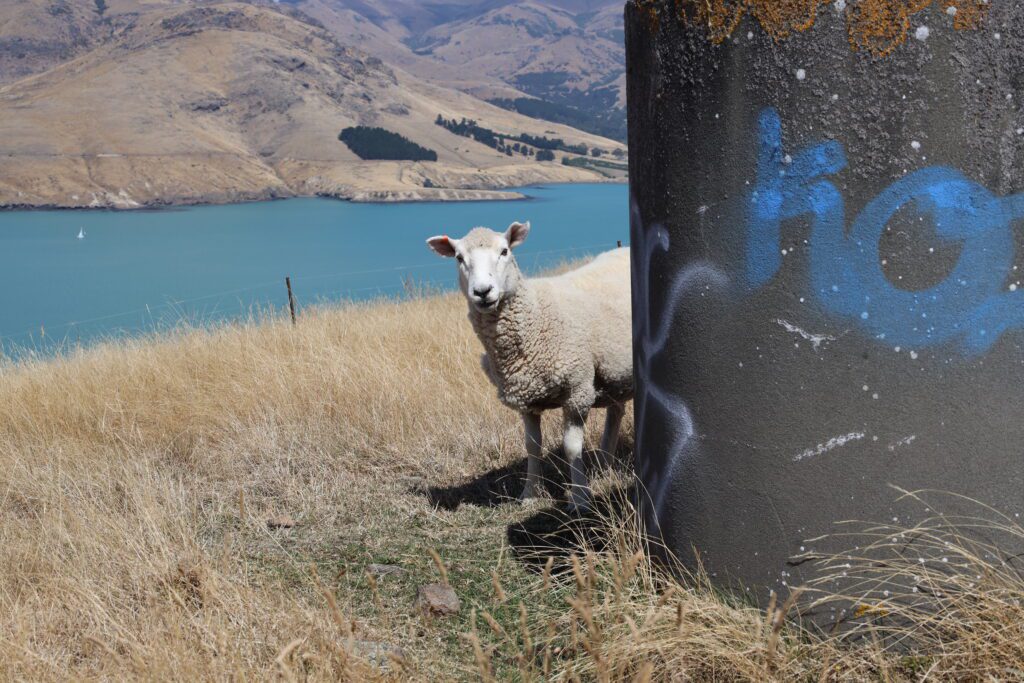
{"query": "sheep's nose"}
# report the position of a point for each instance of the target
(481, 292)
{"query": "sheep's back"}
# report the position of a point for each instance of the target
(594, 300)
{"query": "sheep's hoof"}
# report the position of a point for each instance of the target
(529, 497)
(579, 506)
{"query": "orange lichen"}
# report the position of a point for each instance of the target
(871, 610)
(880, 26)
(875, 26)
(969, 13)
(780, 19)
(651, 11)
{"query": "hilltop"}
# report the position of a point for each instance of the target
(164, 104)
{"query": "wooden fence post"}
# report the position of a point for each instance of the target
(291, 297)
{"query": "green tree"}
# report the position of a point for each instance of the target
(381, 144)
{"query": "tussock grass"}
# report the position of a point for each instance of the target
(137, 479)
(932, 602)
(943, 590)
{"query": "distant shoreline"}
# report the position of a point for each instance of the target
(426, 196)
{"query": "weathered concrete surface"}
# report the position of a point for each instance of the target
(827, 293)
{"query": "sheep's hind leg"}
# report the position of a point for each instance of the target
(531, 426)
(575, 423)
(610, 437)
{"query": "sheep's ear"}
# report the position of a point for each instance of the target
(443, 245)
(516, 233)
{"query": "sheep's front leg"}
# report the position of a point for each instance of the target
(572, 441)
(531, 426)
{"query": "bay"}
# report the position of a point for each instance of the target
(145, 271)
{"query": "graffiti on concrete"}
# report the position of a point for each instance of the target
(971, 306)
(651, 337)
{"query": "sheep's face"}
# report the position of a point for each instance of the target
(488, 273)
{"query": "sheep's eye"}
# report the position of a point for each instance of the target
(504, 252)
(458, 257)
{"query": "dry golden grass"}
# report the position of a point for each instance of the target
(616, 615)
(137, 479)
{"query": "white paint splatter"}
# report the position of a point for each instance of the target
(652, 335)
(815, 339)
(905, 441)
(921, 33)
(801, 74)
(840, 5)
(951, 10)
(830, 445)
(916, 145)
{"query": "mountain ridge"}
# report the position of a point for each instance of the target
(234, 101)
(565, 53)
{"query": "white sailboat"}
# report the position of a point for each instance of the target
(81, 233)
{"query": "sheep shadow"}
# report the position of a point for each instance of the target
(503, 485)
(496, 487)
(557, 533)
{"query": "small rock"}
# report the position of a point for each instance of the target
(438, 600)
(376, 653)
(281, 522)
(384, 569)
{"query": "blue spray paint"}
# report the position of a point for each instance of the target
(971, 306)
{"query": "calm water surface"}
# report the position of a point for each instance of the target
(140, 271)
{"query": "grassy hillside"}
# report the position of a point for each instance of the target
(207, 506)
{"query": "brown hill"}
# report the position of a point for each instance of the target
(233, 101)
(524, 40)
(567, 53)
(36, 35)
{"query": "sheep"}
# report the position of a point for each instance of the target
(550, 342)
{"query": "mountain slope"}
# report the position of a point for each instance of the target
(568, 54)
(234, 101)
(38, 34)
(548, 53)
(384, 39)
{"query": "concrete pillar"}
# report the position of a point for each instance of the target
(828, 269)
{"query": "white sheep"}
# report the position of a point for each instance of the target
(551, 342)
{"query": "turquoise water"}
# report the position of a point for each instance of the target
(144, 271)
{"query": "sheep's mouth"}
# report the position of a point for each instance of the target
(484, 305)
